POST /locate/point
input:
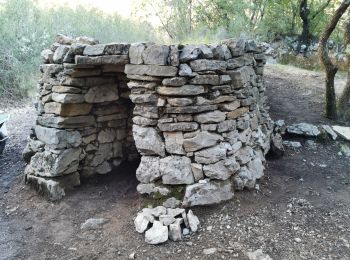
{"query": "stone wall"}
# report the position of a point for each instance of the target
(196, 114)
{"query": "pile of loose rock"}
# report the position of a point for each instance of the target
(161, 224)
(196, 114)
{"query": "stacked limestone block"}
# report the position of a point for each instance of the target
(84, 115)
(196, 114)
(200, 119)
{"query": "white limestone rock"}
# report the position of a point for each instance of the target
(141, 223)
(193, 221)
(175, 232)
(166, 220)
(197, 170)
(148, 141)
(176, 170)
(148, 170)
(201, 140)
(207, 193)
(210, 117)
(304, 129)
(174, 142)
(221, 170)
(102, 94)
(343, 131)
(157, 234)
(212, 154)
(156, 54)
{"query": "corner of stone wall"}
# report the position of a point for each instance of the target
(200, 119)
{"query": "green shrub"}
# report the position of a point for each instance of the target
(25, 30)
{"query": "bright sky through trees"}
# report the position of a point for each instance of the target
(122, 7)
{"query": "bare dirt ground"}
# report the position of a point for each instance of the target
(301, 211)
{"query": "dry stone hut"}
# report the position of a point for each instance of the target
(194, 115)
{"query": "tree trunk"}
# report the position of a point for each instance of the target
(304, 39)
(343, 103)
(331, 69)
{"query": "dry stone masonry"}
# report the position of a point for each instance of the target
(195, 115)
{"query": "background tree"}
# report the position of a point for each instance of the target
(331, 67)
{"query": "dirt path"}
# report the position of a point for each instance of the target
(301, 210)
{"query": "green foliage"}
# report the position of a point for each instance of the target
(25, 30)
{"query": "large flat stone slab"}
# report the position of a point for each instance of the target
(151, 70)
(343, 131)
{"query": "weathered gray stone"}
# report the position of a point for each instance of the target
(139, 120)
(166, 220)
(117, 48)
(102, 60)
(185, 71)
(47, 56)
(49, 164)
(174, 82)
(236, 46)
(54, 188)
(135, 53)
(210, 117)
(102, 94)
(103, 168)
(148, 170)
(176, 170)
(59, 53)
(174, 127)
(179, 102)
(241, 77)
(175, 232)
(143, 98)
(245, 154)
(207, 192)
(107, 135)
(189, 109)
(212, 154)
(156, 54)
(190, 52)
(203, 101)
(292, 144)
(327, 129)
(171, 203)
(65, 89)
(67, 98)
(197, 171)
(141, 223)
(193, 221)
(221, 170)
(201, 140)
(230, 106)
(66, 122)
(237, 113)
(226, 126)
(207, 65)
(277, 148)
(304, 129)
(205, 80)
(173, 142)
(157, 234)
(94, 50)
(221, 52)
(151, 70)
(146, 111)
(58, 138)
(66, 110)
(103, 153)
(148, 141)
(186, 90)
